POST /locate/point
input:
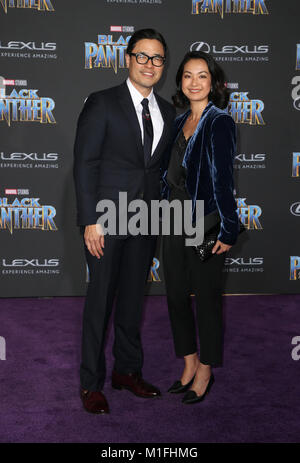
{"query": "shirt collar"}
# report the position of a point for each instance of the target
(137, 97)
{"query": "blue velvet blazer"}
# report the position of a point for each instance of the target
(208, 161)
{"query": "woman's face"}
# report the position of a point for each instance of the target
(196, 80)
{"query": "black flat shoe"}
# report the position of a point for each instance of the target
(178, 387)
(191, 397)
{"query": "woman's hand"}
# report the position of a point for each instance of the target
(220, 247)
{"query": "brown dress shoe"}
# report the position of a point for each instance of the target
(134, 383)
(94, 401)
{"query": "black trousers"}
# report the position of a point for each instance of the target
(123, 269)
(186, 274)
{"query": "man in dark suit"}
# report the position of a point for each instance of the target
(122, 135)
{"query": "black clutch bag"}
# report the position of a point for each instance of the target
(204, 249)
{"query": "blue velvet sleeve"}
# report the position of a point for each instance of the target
(223, 145)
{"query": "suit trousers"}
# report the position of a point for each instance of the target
(121, 271)
(186, 274)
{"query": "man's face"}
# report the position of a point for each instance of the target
(145, 76)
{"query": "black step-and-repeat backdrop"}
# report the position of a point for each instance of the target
(54, 53)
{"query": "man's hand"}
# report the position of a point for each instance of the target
(94, 239)
(220, 247)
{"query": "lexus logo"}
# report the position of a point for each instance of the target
(33, 46)
(200, 46)
(295, 209)
(297, 103)
(230, 49)
(30, 262)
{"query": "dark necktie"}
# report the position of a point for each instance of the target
(148, 130)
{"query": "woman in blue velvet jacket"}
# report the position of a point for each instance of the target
(200, 167)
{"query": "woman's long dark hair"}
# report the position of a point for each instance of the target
(219, 94)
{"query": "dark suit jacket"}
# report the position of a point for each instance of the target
(209, 167)
(109, 155)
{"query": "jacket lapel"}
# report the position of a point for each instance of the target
(130, 113)
(193, 139)
(164, 134)
(193, 156)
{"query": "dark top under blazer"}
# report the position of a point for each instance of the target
(109, 155)
(208, 161)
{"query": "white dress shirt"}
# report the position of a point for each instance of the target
(156, 117)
